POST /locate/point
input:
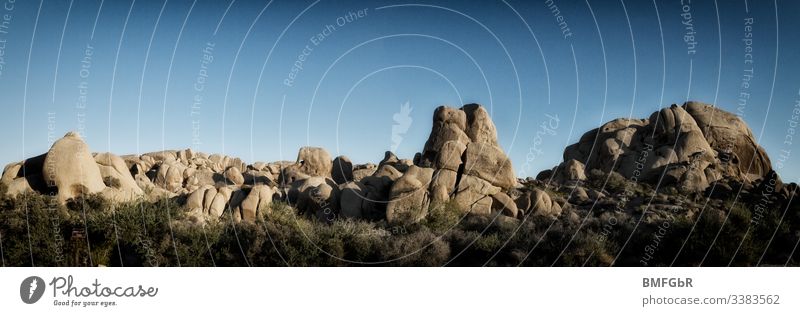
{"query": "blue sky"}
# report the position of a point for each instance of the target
(140, 66)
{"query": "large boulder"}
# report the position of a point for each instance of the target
(70, 167)
(376, 190)
(473, 195)
(25, 177)
(443, 185)
(363, 171)
(391, 159)
(314, 161)
(170, 176)
(316, 196)
(449, 156)
(255, 177)
(409, 197)
(234, 176)
(469, 166)
(732, 139)
(480, 127)
(121, 185)
(200, 177)
(488, 162)
(504, 204)
(208, 202)
(569, 171)
(353, 198)
(449, 124)
(342, 170)
(254, 204)
(692, 145)
(539, 203)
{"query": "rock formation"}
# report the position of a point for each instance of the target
(466, 165)
(688, 147)
(70, 167)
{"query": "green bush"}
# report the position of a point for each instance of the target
(37, 230)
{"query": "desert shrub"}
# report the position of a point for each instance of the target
(33, 231)
(37, 230)
(443, 217)
(609, 181)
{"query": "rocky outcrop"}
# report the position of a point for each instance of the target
(234, 176)
(70, 168)
(733, 140)
(691, 146)
(342, 170)
(688, 147)
(255, 203)
(469, 166)
(121, 186)
(316, 196)
(461, 161)
(208, 202)
(409, 198)
(538, 202)
(363, 171)
(25, 176)
(170, 176)
(314, 161)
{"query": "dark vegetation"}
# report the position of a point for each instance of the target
(36, 230)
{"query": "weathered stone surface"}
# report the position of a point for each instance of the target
(254, 204)
(409, 198)
(113, 169)
(377, 191)
(219, 202)
(503, 204)
(259, 166)
(570, 170)
(314, 161)
(354, 194)
(316, 196)
(696, 143)
(200, 178)
(449, 124)
(489, 163)
(363, 171)
(389, 158)
(388, 171)
(579, 196)
(541, 204)
(449, 156)
(443, 185)
(234, 176)
(160, 156)
(469, 165)
(170, 176)
(256, 177)
(25, 176)
(70, 167)
(11, 172)
(290, 175)
(208, 202)
(480, 127)
(732, 139)
(473, 195)
(342, 170)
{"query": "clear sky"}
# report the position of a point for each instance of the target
(218, 76)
